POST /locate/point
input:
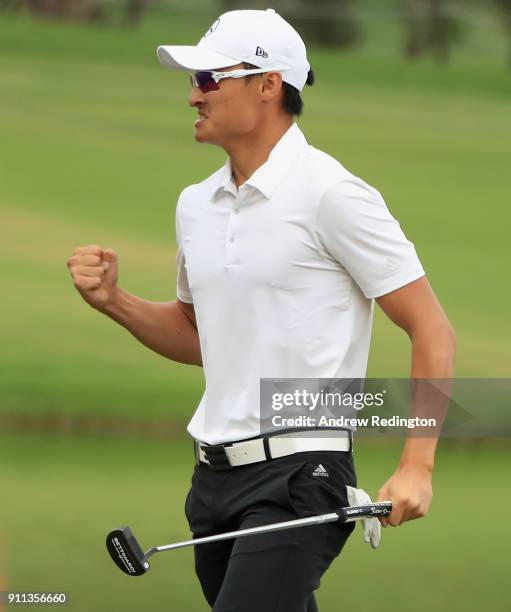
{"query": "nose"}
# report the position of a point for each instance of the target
(196, 97)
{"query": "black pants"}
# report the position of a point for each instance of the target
(273, 572)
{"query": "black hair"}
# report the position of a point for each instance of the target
(291, 100)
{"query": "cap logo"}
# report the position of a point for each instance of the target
(212, 28)
(261, 52)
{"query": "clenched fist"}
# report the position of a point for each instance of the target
(94, 271)
(410, 491)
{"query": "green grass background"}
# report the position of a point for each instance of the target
(56, 511)
(96, 142)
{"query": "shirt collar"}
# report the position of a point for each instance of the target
(268, 176)
(226, 180)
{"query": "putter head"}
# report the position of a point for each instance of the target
(126, 552)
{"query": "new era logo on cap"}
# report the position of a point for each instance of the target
(261, 52)
(320, 471)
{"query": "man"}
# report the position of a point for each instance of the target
(280, 255)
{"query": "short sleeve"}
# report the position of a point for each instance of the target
(356, 229)
(183, 287)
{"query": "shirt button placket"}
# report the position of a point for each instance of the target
(231, 250)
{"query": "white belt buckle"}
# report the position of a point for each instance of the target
(243, 453)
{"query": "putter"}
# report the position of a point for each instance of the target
(127, 554)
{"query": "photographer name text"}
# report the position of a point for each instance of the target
(373, 421)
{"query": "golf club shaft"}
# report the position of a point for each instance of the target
(128, 555)
(312, 520)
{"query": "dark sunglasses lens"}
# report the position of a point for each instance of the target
(206, 82)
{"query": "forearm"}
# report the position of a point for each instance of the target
(433, 355)
(416, 310)
(161, 326)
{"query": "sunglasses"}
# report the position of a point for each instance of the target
(207, 80)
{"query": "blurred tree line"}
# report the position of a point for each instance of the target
(91, 11)
(429, 26)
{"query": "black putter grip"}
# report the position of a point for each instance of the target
(126, 552)
(367, 511)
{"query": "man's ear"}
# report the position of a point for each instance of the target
(271, 85)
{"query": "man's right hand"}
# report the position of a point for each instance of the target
(95, 273)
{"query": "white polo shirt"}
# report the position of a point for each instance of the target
(282, 274)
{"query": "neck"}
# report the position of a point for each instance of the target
(253, 150)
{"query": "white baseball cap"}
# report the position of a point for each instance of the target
(261, 38)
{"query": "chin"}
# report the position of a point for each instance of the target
(202, 136)
(203, 139)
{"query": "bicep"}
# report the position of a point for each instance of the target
(189, 311)
(413, 306)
